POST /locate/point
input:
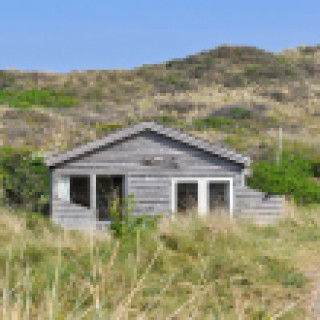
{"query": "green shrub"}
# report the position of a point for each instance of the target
(277, 69)
(282, 60)
(95, 93)
(212, 123)
(240, 113)
(123, 223)
(167, 119)
(289, 177)
(6, 80)
(171, 83)
(25, 180)
(105, 128)
(45, 97)
(171, 79)
(233, 80)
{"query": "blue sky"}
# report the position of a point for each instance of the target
(66, 35)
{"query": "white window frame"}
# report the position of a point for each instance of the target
(203, 192)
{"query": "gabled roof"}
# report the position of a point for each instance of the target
(153, 127)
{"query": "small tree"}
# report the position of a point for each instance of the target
(123, 222)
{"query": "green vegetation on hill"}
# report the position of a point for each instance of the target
(45, 98)
(234, 121)
(106, 128)
(284, 83)
(213, 123)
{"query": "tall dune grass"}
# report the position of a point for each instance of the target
(189, 268)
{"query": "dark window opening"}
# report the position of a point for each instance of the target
(218, 196)
(80, 190)
(109, 191)
(187, 196)
(316, 170)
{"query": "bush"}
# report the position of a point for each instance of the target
(233, 80)
(290, 177)
(36, 97)
(123, 223)
(6, 80)
(240, 113)
(210, 123)
(106, 128)
(171, 79)
(171, 83)
(272, 70)
(168, 119)
(25, 180)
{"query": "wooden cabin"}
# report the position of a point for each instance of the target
(165, 170)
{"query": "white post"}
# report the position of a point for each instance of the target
(93, 193)
(173, 198)
(231, 197)
(202, 196)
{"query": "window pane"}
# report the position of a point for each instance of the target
(80, 190)
(187, 196)
(218, 196)
(109, 190)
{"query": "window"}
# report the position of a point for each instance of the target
(74, 189)
(218, 195)
(80, 190)
(109, 190)
(187, 196)
(202, 194)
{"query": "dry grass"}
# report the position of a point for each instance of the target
(189, 268)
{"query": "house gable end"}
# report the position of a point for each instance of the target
(149, 151)
(125, 134)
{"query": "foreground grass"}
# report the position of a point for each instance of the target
(190, 268)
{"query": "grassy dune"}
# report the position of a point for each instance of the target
(190, 268)
(279, 89)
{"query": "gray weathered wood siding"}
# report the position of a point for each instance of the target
(151, 185)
